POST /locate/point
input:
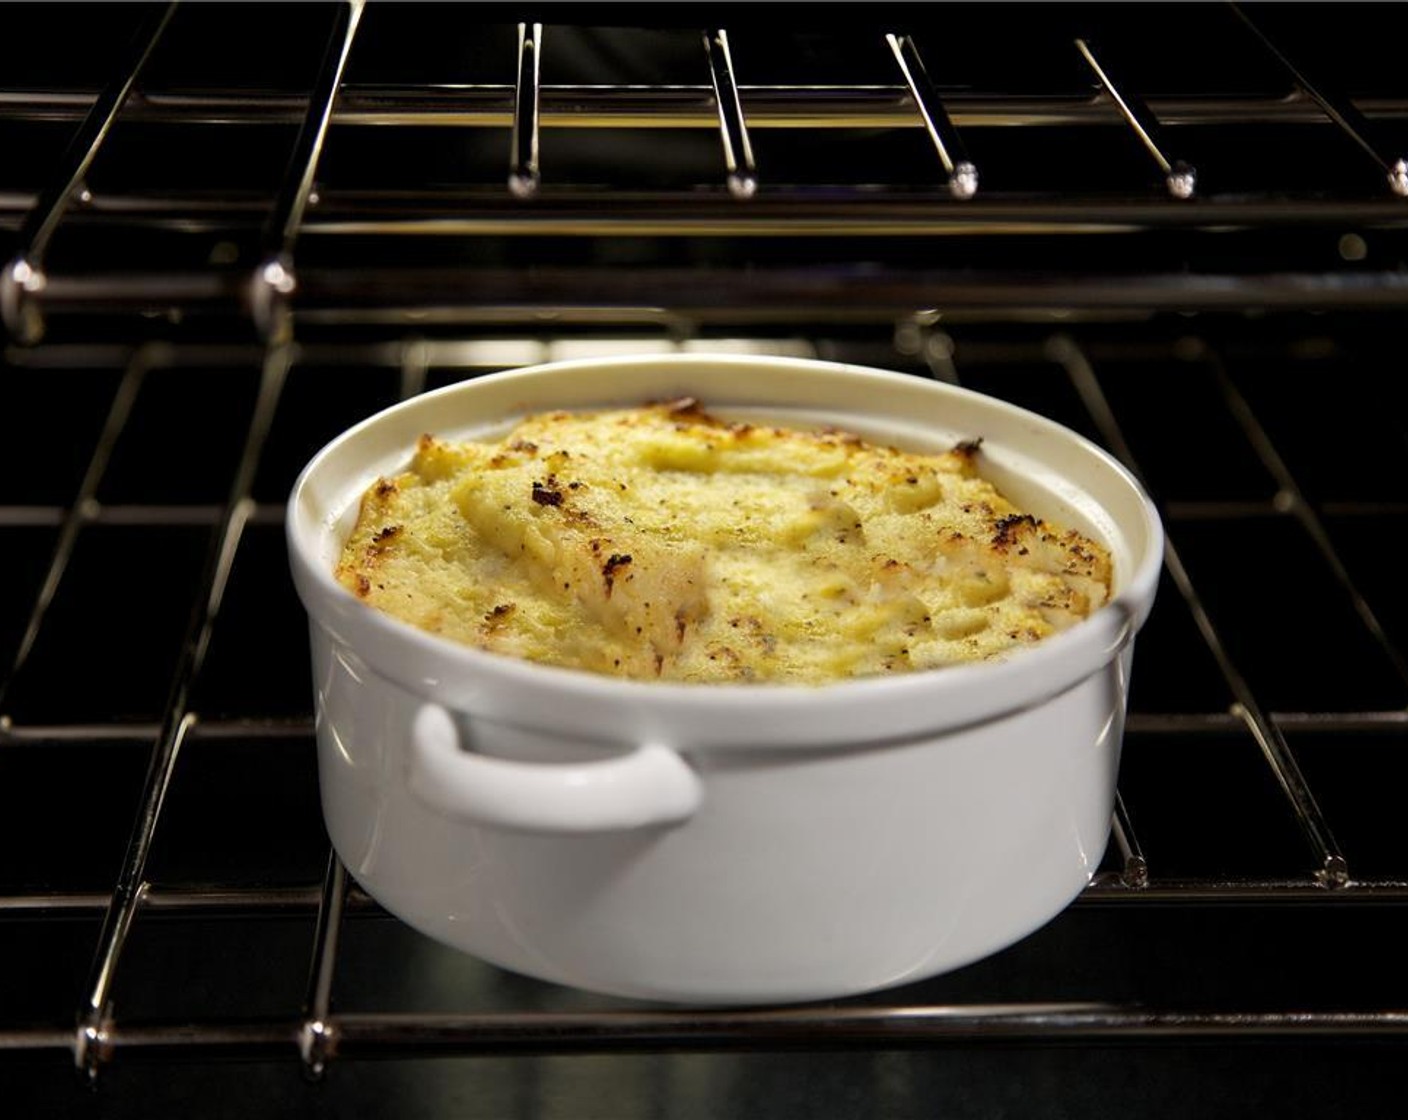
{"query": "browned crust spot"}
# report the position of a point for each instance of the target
(1007, 531)
(499, 613)
(685, 406)
(547, 495)
(614, 563)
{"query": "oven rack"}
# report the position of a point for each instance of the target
(424, 273)
(128, 250)
(1133, 880)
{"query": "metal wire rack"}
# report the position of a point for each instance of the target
(1262, 751)
(1043, 167)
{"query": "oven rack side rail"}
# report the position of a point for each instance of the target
(1108, 888)
(636, 106)
(223, 306)
(354, 1036)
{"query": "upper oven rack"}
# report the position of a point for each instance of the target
(364, 245)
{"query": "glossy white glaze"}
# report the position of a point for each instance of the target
(453, 776)
(723, 844)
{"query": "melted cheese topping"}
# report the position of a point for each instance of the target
(663, 543)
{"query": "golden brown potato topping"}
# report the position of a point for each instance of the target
(662, 542)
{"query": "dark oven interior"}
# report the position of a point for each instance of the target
(234, 231)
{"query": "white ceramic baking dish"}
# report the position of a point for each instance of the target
(723, 844)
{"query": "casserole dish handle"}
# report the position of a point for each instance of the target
(652, 785)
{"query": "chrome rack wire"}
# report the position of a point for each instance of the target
(23, 278)
(1181, 179)
(94, 1025)
(274, 280)
(733, 128)
(1330, 863)
(523, 175)
(1339, 109)
(962, 174)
